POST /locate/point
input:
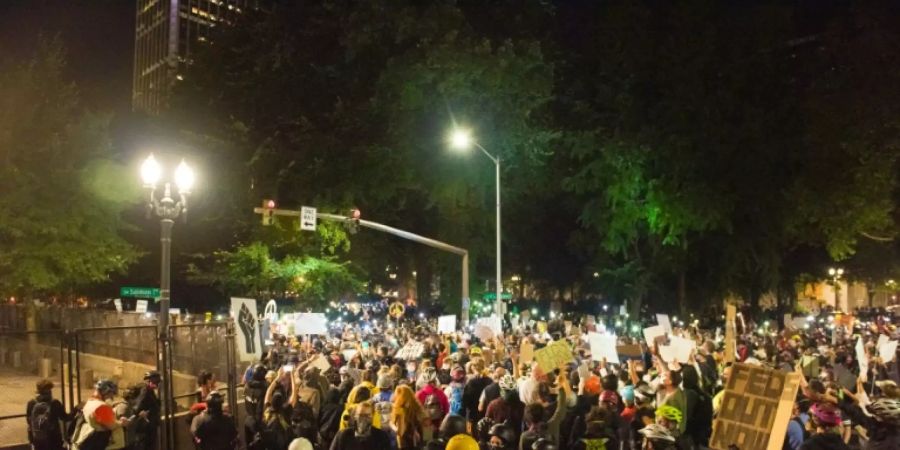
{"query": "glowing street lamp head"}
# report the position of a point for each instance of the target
(184, 177)
(461, 139)
(150, 171)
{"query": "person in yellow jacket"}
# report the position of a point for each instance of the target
(360, 393)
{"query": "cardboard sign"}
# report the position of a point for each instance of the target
(730, 345)
(248, 339)
(140, 306)
(630, 351)
(551, 356)
(663, 320)
(542, 327)
(412, 350)
(447, 324)
(651, 333)
(603, 346)
(568, 325)
(321, 363)
(310, 323)
(756, 408)
(526, 352)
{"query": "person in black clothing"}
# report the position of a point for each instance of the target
(330, 416)
(254, 394)
(362, 436)
(148, 408)
(44, 415)
(699, 408)
(211, 429)
(472, 393)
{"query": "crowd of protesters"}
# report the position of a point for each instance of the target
(462, 392)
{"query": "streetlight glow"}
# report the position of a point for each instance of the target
(184, 177)
(150, 171)
(461, 139)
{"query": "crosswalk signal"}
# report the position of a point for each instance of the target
(268, 215)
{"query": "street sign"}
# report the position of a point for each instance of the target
(308, 218)
(139, 292)
(490, 296)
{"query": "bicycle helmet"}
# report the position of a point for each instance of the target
(886, 410)
(656, 432)
(544, 444)
(152, 375)
(483, 427)
(107, 388)
(452, 425)
(669, 413)
(504, 432)
(507, 383)
(462, 442)
(825, 415)
(627, 393)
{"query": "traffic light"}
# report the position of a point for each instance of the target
(268, 215)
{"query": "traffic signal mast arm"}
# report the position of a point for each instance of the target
(269, 212)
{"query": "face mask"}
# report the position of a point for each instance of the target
(363, 425)
(496, 447)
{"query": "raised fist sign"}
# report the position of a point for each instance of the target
(247, 323)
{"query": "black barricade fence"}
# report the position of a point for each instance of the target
(25, 359)
(76, 347)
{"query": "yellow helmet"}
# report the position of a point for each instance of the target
(462, 442)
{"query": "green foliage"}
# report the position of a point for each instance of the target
(61, 197)
(250, 270)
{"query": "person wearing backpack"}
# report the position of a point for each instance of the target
(211, 429)
(454, 390)
(147, 406)
(45, 416)
(96, 420)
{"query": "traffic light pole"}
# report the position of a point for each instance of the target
(464, 316)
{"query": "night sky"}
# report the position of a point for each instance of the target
(98, 36)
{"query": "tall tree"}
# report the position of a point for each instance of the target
(62, 195)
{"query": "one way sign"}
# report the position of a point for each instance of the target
(308, 218)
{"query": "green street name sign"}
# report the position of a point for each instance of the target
(139, 292)
(493, 296)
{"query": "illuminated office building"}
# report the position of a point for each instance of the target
(166, 32)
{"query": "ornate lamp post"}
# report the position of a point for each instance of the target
(167, 209)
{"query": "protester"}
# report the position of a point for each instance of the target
(212, 430)
(45, 416)
(147, 407)
(363, 435)
(96, 421)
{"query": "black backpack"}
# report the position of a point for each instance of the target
(97, 440)
(45, 428)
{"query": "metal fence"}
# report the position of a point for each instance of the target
(25, 358)
(75, 347)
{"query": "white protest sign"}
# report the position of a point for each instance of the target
(174, 311)
(514, 322)
(799, 323)
(494, 323)
(651, 333)
(140, 306)
(882, 339)
(888, 351)
(118, 303)
(663, 320)
(603, 346)
(307, 218)
(447, 324)
(483, 332)
(349, 354)
(412, 350)
(862, 359)
(679, 349)
(249, 343)
(310, 323)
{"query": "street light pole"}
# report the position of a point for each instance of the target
(462, 139)
(167, 209)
